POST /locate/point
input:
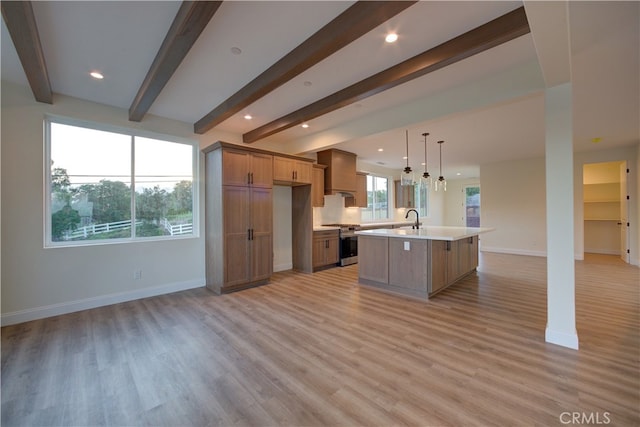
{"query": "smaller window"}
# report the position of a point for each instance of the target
(377, 199)
(422, 200)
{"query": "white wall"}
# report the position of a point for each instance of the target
(513, 201)
(39, 282)
(628, 154)
(334, 212)
(454, 214)
(282, 229)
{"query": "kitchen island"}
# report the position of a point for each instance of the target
(417, 263)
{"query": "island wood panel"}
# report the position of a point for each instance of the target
(438, 263)
(318, 350)
(373, 255)
(409, 269)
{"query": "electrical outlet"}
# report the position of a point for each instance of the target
(137, 274)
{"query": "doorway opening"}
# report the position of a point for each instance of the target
(472, 205)
(606, 217)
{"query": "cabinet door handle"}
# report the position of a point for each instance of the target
(248, 234)
(251, 177)
(448, 245)
(326, 244)
(248, 177)
(252, 234)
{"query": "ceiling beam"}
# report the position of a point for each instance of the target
(21, 23)
(357, 20)
(190, 21)
(507, 27)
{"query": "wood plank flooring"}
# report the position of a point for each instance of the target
(319, 350)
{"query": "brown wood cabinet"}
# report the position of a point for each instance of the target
(247, 168)
(340, 175)
(405, 195)
(291, 171)
(317, 186)
(414, 267)
(452, 260)
(239, 218)
(359, 198)
(325, 248)
(248, 235)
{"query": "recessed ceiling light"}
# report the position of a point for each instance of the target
(380, 149)
(96, 75)
(405, 158)
(391, 37)
(248, 116)
(236, 50)
(458, 174)
(304, 125)
(423, 163)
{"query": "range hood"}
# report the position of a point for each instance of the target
(340, 175)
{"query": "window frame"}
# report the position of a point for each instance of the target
(388, 216)
(132, 133)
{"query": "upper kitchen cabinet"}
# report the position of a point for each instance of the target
(244, 168)
(340, 176)
(359, 198)
(290, 171)
(317, 186)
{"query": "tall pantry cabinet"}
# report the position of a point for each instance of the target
(239, 223)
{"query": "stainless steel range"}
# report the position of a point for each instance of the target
(348, 243)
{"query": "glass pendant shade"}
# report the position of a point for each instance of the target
(406, 177)
(441, 183)
(425, 179)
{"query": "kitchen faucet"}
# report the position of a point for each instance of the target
(417, 224)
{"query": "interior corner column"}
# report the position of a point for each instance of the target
(561, 307)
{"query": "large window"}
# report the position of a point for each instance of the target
(107, 186)
(377, 199)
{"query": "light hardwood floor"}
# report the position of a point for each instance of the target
(318, 349)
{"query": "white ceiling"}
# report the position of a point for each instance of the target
(487, 108)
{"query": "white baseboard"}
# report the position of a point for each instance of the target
(562, 338)
(513, 251)
(602, 251)
(27, 315)
(283, 267)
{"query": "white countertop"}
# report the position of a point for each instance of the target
(325, 228)
(427, 232)
(365, 225)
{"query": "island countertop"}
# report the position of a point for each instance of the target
(427, 232)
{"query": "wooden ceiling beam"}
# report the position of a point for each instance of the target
(503, 29)
(21, 23)
(357, 20)
(190, 21)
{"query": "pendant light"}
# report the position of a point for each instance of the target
(425, 180)
(441, 183)
(406, 178)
